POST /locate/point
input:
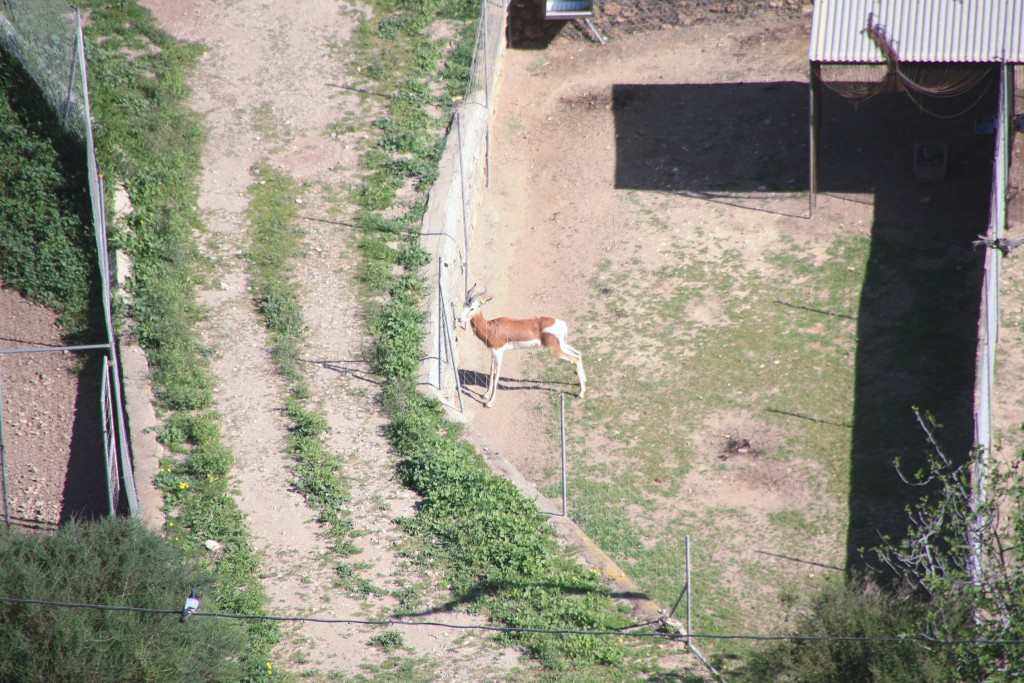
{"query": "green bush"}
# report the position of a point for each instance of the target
(49, 251)
(113, 562)
(860, 610)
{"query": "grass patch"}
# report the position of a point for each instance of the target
(766, 350)
(276, 240)
(112, 562)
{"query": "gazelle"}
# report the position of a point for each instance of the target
(502, 334)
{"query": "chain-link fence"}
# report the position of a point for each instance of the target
(451, 211)
(45, 37)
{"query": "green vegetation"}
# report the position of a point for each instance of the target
(149, 140)
(766, 356)
(49, 253)
(857, 610)
(389, 641)
(971, 611)
(499, 553)
(119, 563)
(275, 241)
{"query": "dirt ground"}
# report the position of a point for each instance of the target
(556, 211)
(265, 90)
(52, 448)
(574, 180)
(553, 214)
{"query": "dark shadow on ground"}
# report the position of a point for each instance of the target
(918, 313)
(918, 319)
(85, 485)
(710, 139)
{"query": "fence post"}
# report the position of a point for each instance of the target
(487, 97)
(440, 322)
(462, 185)
(689, 623)
(450, 347)
(3, 456)
(565, 495)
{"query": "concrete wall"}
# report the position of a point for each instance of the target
(450, 218)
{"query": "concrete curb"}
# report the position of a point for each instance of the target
(146, 450)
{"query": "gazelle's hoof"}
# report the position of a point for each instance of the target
(489, 404)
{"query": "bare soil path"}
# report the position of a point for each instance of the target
(263, 89)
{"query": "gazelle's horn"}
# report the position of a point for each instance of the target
(472, 290)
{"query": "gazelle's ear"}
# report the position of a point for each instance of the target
(488, 299)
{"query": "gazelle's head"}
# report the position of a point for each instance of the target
(474, 302)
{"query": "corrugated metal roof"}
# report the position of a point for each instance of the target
(920, 30)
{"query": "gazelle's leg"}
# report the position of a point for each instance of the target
(561, 349)
(582, 376)
(492, 389)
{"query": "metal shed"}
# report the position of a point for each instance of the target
(924, 47)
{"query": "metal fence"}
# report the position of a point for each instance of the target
(988, 326)
(45, 36)
(451, 210)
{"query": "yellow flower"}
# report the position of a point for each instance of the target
(182, 485)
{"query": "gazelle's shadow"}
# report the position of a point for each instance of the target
(472, 378)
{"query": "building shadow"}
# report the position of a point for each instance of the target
(917, 329)
(920, 300)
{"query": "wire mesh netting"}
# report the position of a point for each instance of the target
(43, 36)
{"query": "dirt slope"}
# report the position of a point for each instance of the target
(263, 89)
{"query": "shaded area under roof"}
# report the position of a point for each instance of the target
(966, 31)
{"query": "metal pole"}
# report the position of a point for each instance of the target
(487, 99)
(462, 180)
(440, 321)
(565, 495)
(689, 628)
(487, 71)
(3, 457)
(107, 403)
(451, 354)
(45, 349)
(815, 116)
(100, 225)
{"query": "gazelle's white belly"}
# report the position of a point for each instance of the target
(558, 328)
(529, 344)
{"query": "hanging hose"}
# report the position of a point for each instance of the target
(940, 81)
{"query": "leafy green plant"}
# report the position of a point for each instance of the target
(113, 562)
(958, 557)
(48, 251)
(499, 553)
(275, 241)
(858, 609)
(389, 641)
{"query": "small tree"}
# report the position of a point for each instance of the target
(955, 577)
(956, 556)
